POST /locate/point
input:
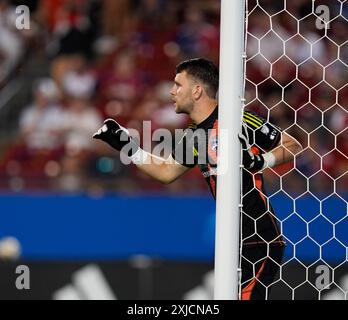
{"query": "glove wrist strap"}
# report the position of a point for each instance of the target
(263, 161)
(269, 160)
(139, 157)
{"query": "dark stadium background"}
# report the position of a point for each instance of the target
(69, 202)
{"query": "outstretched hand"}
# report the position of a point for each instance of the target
(113, 134)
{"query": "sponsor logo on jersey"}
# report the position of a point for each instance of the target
(214, 143)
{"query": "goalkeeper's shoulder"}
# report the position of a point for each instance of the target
(253, 120)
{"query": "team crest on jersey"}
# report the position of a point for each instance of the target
(273, 134)
(214, 143)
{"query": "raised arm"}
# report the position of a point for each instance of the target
(162, 170)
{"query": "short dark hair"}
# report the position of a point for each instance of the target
(202, 70)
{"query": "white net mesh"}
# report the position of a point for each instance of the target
(296, 77)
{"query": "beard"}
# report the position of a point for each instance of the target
(185, 108)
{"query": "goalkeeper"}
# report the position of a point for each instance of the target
(264, 145)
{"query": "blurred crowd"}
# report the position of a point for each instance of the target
(117, 59)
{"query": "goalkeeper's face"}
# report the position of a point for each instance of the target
(182, 93)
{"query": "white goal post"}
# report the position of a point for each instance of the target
(287, 61)
(230, 114)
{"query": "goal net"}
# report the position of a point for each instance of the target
(296, 77)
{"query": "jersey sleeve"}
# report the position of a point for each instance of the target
(184, 151)
(262, 134)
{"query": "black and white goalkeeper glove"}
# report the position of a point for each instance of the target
(250, 160)
(117, 137)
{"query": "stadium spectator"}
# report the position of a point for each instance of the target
(196, 36)
(40, 123)
(11, 41)
(123, 80)
(79, 119)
